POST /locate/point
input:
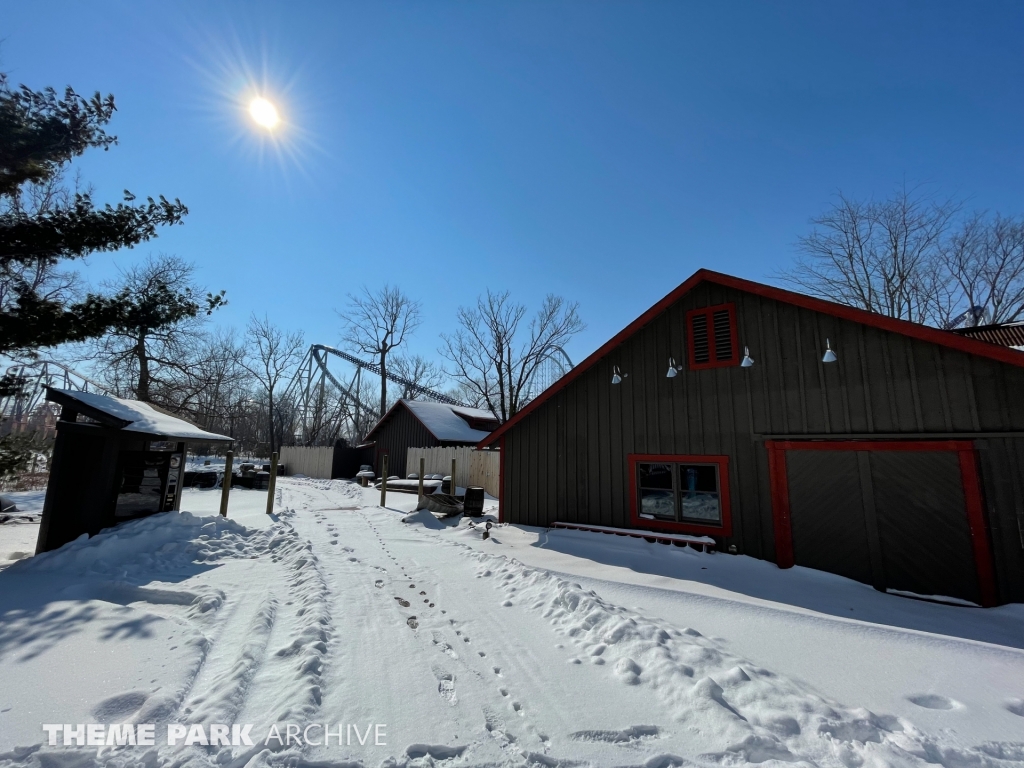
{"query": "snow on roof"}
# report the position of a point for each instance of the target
(448, 422)
(135, 416)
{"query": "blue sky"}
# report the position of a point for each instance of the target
(600, 151)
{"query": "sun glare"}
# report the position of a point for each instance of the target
(263, 112)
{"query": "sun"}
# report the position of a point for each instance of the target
(263, 112)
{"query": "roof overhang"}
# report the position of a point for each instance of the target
(166, 426)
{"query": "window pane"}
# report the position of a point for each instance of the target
(698, 493)
(655, 476)
(657, 504)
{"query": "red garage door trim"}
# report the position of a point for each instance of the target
(969, 477)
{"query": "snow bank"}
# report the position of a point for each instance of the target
(759, 716)
(145, 547)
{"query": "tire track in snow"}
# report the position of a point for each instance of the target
(757, 715)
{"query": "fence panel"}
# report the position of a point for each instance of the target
(472, 467)
(312, 461)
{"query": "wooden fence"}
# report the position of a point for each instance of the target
(472, 467)
(312, 461)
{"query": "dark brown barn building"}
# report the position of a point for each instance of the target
(418, 424)
(801, 431)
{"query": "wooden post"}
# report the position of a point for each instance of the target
(384, 481)
(455, 485)
(272, 484)
(225, 486)
(419, 498)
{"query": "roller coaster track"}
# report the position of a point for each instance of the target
(321, 416)
(317, 355)
(34, 378)
(308, 390)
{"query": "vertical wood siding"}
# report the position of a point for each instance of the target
(472, 467)
(312, 461)
(567, 460)
(395, 436)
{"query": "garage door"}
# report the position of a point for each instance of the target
(898, 516)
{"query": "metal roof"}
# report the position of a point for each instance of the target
(1003, 334)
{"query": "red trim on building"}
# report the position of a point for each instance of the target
(979, 532)
(725, 529)
(712, 362)
(780, 505)
(969, 477)
(501, 480)
(903, 327)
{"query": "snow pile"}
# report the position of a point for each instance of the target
(425, 518)
(167, 541)
(758, 715)
(220, 639)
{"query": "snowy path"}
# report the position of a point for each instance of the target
(469, 652)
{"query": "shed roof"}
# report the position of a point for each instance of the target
(131, 416)
(1004, 334)
(447, 423)
(913, 330)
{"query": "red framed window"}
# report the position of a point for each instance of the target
(712, 336)
(683, 493)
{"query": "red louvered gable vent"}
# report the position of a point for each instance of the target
(712, 337)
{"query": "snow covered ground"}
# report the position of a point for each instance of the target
(530, 647)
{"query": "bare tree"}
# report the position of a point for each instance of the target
(154, 353)
(984, 265)
(220, 378)
(378, 323)
(878, 255)
(419, 371)
(271, 355)
(494, 354)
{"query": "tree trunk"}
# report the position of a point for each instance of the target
(142, 390)
(271, 412)
(383, 381)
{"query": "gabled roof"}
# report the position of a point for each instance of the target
(447, 423)
(131, 416)
(913, 330)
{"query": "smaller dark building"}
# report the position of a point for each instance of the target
(113, 460)
(419, 424)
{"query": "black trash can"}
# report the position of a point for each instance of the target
(262, 481)
(446, 485)
(474, 502)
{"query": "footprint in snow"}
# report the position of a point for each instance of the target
(934, 701)
(403, 603)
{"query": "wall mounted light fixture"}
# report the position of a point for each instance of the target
(747, 361)
(829, 356)
(673, 369)
(617, 375)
